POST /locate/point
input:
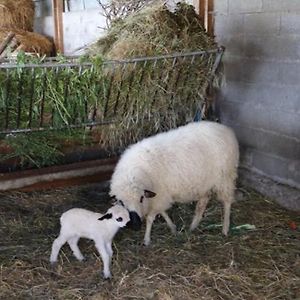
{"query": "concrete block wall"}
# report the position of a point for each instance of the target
(261, 97)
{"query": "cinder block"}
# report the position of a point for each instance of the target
(231, 25)
(260, 47)
(270, 164)
(277, 167)
(234, 44)
(279, 48)
(281, 5)
(289, 74)
(263, 96)
(233, 68)
(257, 71)
(262, 23)
(221, 7)
(242, 6)
(290, 24)
(264, 141)
(265, 118)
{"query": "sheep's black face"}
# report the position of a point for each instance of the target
(135, 221)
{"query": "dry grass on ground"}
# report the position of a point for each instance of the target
(249, 264)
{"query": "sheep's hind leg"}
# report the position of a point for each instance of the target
(73, 243)
(199, 211)
(171, 225)
(57, 244)
(226, 196)
(149, 222)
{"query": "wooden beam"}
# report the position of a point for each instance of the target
(202, 11)
(58, 7)
(210, 17)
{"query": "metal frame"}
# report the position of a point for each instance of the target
(50, 65)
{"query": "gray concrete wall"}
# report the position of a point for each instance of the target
(261, 97)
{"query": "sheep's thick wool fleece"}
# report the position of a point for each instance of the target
(182, 163)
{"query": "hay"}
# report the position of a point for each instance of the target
(152, 31)
(30, 41)
(17, 14)
(255, 264)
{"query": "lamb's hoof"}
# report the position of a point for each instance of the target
(174, 230)
(147, 243)
(82, 259)
(107, 277)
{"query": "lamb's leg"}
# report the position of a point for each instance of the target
(105, 258)
(109, 251)
(169, 222)
(73, 243)
(57, 244)
(200, 208)
(149, 222)
(226, 218)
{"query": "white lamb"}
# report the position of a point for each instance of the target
(182, 165)
(79, 223)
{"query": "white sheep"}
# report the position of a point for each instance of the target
(79, 223)
(182, 165)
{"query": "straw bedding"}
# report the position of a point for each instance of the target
(249, 264)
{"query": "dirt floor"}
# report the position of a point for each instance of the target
(260, 263)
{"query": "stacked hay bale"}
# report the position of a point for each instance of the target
(17, 16)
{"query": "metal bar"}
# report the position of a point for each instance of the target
(119, 90)
(31, 96)
(129, 88)
(19, 98)
(108, 62)
(74, 126)
(43, 100)
(8, 86)
(109, 91)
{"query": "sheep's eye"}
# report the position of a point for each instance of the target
(121, 202)
(141, 200)
(119, 219)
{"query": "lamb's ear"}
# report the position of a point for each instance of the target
(149, 194)
(106, 216)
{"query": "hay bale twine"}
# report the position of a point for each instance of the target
(17, 14)
(30, 41)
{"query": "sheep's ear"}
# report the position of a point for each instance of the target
(149, 194)
(106, 216)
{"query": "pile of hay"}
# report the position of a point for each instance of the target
(152, 31)
(31, 42)
(17, 14)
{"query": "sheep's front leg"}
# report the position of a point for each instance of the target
(149, 221)
(105, 259)
(109, 251)
(200, 208)
(171, 225)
